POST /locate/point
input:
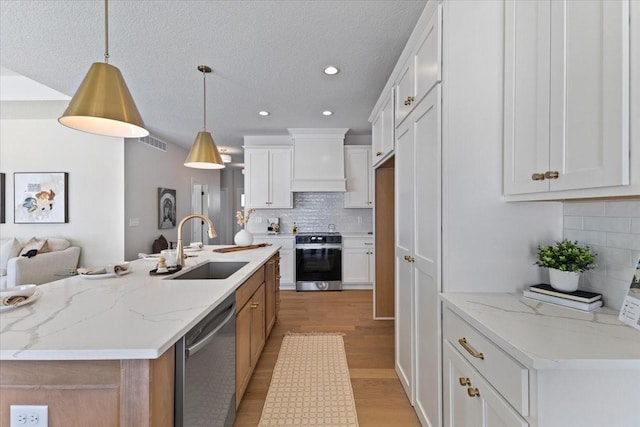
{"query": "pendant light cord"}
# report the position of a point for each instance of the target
(204, 93)
(106, 31)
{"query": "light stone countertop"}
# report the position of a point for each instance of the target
(133, 316)
(546, 336)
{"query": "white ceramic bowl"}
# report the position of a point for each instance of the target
(22, 290)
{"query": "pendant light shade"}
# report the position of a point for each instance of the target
(103, 104)
(204, 154)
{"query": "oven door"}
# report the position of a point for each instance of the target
(318, 263)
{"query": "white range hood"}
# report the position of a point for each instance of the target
(318, 159)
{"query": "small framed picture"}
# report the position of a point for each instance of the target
(166, 208)
(41, 197)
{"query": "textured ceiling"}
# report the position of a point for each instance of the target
(266, 55)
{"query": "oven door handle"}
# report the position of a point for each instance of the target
(319, 246)
(197, 346)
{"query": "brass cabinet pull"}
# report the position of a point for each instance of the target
(254, 305)
(411, 99)
(379, 153)
(406, 258)
(463, 343)
(537, 177)
(411, 259)
(406, 101)
(278, 277)
(464, 381)
(551, 174)
(473, 392)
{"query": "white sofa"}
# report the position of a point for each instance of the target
(54, 256)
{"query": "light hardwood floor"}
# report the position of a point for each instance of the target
(380, 399)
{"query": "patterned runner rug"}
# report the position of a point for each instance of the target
(310, 384)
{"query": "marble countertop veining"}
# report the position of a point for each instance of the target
(546, 336)
(133, 316)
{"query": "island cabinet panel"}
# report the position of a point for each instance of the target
(272, 292)
(92, 392)
(251, 325)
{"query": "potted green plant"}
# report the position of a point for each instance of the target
(566, 260)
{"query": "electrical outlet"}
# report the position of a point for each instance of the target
(134, 222)
(29, 415)
(257, 220)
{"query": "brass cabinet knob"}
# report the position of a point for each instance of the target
(551, 174)
(411, 99)
(464, 381)
(379, 153)
(406, 258)
(537, 177)
(473, 392)
(278, 277)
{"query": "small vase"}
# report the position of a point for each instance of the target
(243, 238)
(564, 281)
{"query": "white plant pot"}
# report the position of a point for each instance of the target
(565, 281)
(243, 238)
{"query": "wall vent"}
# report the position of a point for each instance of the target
(153, 142)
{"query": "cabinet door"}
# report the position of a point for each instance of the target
(526, 97)
(428, 57)
(404, 301)
(256, 178)
(287, 266)
(355, 265)
(404, 92)
(382, 131)
(257, 306)
(270, 295)
(357, 166)
(426, 254)
(589, 89)
(280, 174)
(471, 401)
(372, 265)
(243, 350)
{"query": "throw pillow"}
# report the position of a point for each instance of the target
(9, 249)
(56, 244)
(33, 243)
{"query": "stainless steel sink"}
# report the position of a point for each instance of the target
(209, 270)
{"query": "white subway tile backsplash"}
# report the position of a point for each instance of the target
(630, 208)
(573, 222)
(619, 225)
(584, 209)
(314, 212)
(585, 237)
(612, 229)
(624, 241)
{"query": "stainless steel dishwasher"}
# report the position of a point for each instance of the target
(205, 388)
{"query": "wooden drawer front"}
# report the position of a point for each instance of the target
(504, 373)
(244, 292)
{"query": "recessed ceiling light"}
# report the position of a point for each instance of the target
(331, 70)
(327, 113)
(263, 113)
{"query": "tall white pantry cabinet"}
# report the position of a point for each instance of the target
(453, 231)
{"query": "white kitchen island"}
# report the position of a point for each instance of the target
(513, 361)
(100, 351)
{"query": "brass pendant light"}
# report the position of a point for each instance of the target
(103, 104)
(204, 154)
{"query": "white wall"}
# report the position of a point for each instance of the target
(146, 169)
(31, 140)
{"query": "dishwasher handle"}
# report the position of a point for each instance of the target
(197, 346)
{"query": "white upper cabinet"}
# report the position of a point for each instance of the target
(357, 160)
(422, 70)
(382, 131)
(268, 178)
(566, 124)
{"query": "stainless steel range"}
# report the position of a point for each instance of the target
(319, 262)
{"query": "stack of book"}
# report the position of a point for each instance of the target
(581, 300)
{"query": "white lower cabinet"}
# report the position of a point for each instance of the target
(357, 260)
(469, 400)
(287, 256)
